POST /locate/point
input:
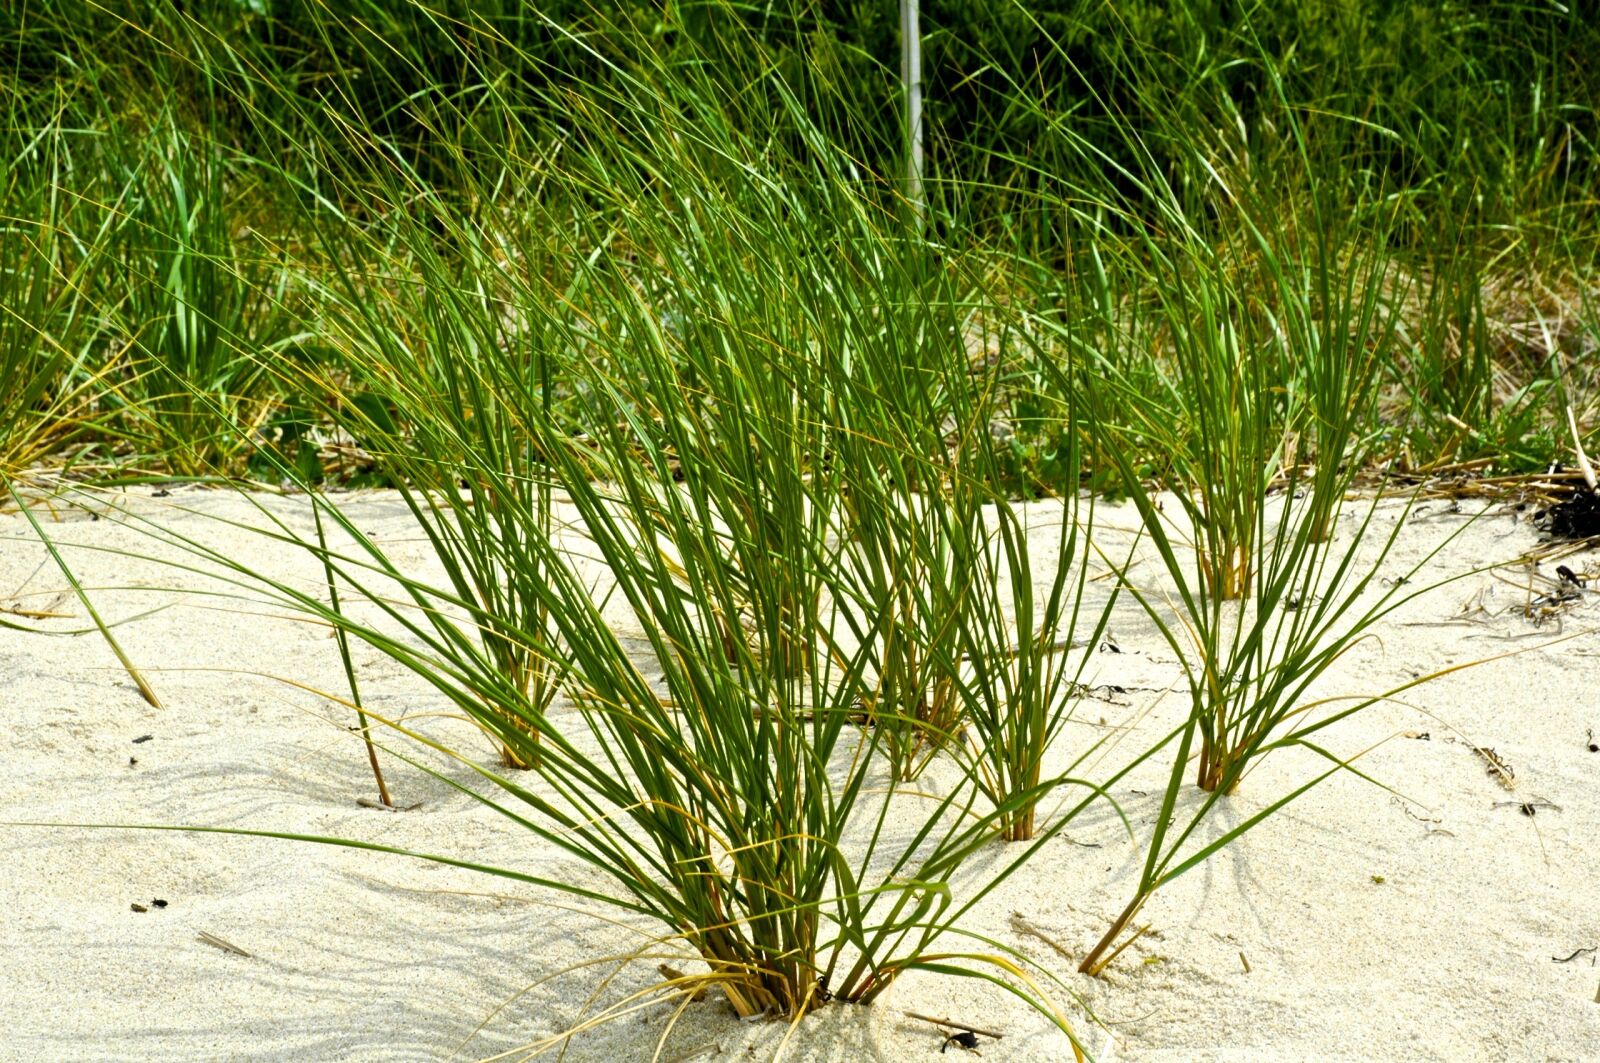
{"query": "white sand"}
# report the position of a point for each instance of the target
(1373, 928)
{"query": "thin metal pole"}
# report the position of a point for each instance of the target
(911, 82)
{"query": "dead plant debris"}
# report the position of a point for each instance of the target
(1529, 808)
(367, 802)
(966, 1036)
(216, 942)
(1497, 767)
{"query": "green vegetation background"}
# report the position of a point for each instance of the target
(1471, 128)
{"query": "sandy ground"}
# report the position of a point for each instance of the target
(1418, 922)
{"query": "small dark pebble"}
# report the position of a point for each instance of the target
(159, 903)
(138, 907)
(142, 738)
(1528, 809)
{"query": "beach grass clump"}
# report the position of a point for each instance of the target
(904, 572)
(709, 757)
(1275, 345)
(732, 798)
(1026, 635)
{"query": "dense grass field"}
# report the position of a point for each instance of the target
(651, 275)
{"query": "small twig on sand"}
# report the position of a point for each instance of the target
(212, 939)
(1496, 767)
(367, 802)
(954, 1025)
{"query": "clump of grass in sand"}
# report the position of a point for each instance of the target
(1282, 337)
(732, 797)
